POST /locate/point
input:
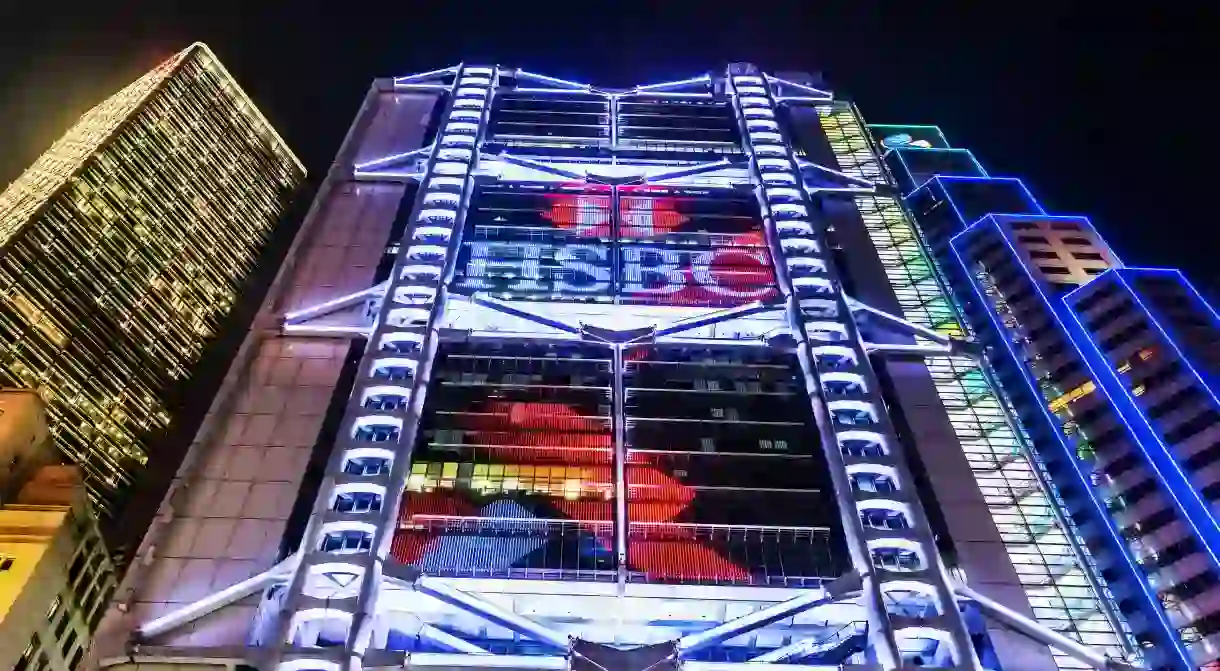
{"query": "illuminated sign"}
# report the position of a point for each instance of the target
(515, 500)
(904, 140)
(665, 250)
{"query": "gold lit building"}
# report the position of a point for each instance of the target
(55, 575)
(122, 250)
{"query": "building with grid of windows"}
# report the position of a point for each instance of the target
(123, 250)
(1107, 368)
(56, 577)
(678, 375)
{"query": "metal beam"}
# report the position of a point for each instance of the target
(808, 646)
(1040, 633)
(326, 307)
(424, 76)
(898, 323)
(540, 166)
(759, 618)
(217, 600)
(666, 86)
(512, 311)
(851, 179)
(444, 638)
(445, 593)
(326, 331)
(394, 158)
(434, 660)
(899, 349)
(619, 420)
(820, 94)
(715, 318)
(687, 171)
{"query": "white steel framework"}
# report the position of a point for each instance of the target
(341, 580)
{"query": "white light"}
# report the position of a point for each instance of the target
(437, 214)
(450, 168)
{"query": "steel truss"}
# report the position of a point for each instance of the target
(342, 569)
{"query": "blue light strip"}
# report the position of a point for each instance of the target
(954, 178)
(1211, 310)
(1195, 509)
(1102, 514)
(522, 74)
(899, 151)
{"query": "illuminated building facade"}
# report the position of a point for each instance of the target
(1107, 368)
(56, 577)
(567, 377)
(123, 249)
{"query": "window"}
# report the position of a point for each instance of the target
(1096, 298)
(1075, 240)
(1036, 239)
(357, 502)
(1193, 426)
(1099, 321)
(1087, 256)
(1042, 254)
(1055, 270)
(1118, 339)
(6, 562)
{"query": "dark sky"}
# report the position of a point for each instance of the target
(1091, 104)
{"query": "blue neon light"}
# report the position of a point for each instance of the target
(1194, 509)
(899, 151)
(1187, 283)
(1150, 596)
(1119, 275)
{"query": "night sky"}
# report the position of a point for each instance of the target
(1100, 111)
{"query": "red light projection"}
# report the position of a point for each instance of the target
(735, 270)
(586, 215)
(556, 433)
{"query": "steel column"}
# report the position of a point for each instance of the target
(866, 437)
(407, 323)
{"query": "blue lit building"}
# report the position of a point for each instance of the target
(703, 374)
(1093, 356)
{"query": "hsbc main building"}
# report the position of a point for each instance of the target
(558, 376)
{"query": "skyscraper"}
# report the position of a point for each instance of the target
(569, 377)
(124, 249)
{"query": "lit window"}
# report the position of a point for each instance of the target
(1062, 401)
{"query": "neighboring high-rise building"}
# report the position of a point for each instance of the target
(56, 577)
(569, 377)
(123, 250)
(1108, 369)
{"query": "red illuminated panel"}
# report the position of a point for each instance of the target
(586, 215)
(647, 217)
(558, 433)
